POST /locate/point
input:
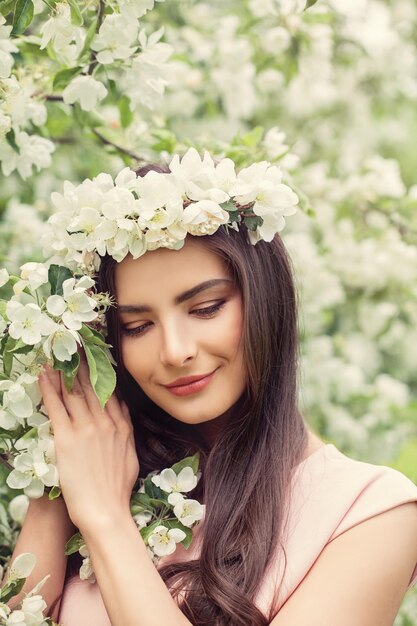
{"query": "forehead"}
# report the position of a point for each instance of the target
(166, 272)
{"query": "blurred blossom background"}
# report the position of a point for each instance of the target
(327, 90)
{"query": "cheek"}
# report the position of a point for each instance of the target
(134, 365)
(232, 335)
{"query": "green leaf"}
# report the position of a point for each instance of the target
(88, 39)
(252, 138)
(74, 544)
(309, 4)
(62, 78)
(6, 7)
(102, 374)
(138, 497)
(252, 223)
(54, 493)
(23, 15)
(147, 531)
(166, 140)
(152, 490)
(11, 140)
(91, 335)
(21, 348)
(76, 17)
(8, 356)
(11, 589)
(189, 461)
(87, 118)
(126, 114)
(69, 369)
(56, 276)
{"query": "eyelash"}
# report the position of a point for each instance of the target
(206, 312)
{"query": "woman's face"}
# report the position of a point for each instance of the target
(184, 329)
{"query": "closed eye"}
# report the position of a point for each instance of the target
(207, 312)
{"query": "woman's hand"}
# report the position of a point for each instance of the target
(95, 448)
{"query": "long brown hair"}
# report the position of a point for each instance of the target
(246, 474)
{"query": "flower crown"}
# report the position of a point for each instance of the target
(135, 214)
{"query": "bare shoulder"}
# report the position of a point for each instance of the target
(361, 577)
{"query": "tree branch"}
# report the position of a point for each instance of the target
(107, 142)
(5, 462)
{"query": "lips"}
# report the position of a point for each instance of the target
(192, 387)
(186, 380)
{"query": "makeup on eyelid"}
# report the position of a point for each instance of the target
(203, 312)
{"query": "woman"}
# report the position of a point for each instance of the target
(294, 533)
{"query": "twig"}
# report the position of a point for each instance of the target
(107, 142)
(100, 16)
(53, 98)
(5, 462)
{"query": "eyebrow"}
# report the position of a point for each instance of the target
(186, 295)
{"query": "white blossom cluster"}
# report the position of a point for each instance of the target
(30, 611)
(160, 538)
(45, 328)
(120, 48)
(135, 214)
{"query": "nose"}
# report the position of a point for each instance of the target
(178, 345)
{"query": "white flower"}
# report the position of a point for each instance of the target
(16, 400)
(85, 90)
(187, 511)
(116, 39)
(163, 541)
(156, 191)
(33, 605)
(32, 471)
(261, 183)
(142, 519)
(28, 322)
(33, 151)
(58, 29)
(204, 217)
(149, 73)
(18, 507)
(63, 343)
(6, 48)
(23, 565)
(136, 8)
(169, 481)
(4, 277)
(35, 274)
(74, 306)
(199, 179)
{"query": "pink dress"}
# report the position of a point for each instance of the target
(331, 494)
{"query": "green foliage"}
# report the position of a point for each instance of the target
(192, 461)
(74, 544)
(102, 374)
(23, 15)
(69, 369)
(63, 77)
(57, 274)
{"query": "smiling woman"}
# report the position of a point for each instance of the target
(205, 340)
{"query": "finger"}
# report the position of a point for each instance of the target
(52, 402)
(76, 402)
(54, 378)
